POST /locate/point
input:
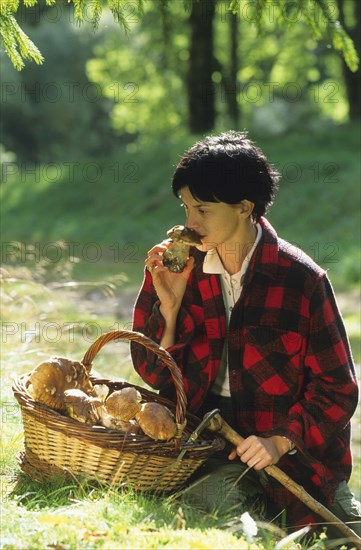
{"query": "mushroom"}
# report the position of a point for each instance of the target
(81, 406)
(119, 410)
(123, 404)
(108, 421)
(175, 257)
(48, 381)
(156, 421)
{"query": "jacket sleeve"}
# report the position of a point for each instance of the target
(148, 320)
(322, 416)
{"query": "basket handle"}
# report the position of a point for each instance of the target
(181, 404)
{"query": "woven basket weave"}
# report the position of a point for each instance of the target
(58, 445)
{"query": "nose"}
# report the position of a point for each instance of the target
(191, 222)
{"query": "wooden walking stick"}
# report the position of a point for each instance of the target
(218, 424)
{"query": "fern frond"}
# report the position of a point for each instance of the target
(96, 13)
(30, 3)
(343, 43)
(309, 16)
(8, 6)
(119, 14)
(340, 39)
(79, 10)
(17, 44)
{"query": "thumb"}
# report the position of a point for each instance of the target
(189, 266)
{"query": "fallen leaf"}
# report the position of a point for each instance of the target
(92, 536)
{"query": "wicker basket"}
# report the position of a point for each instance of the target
(58, 445)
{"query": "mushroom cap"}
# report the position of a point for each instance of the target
(48, 381)
(123, 404)
(156, 421)
(81, 407)
(180, 233)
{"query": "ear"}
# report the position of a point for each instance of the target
(246, 208)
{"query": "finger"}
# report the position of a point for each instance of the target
(253, 462)
(155, 270)
(159, 248)
(258, 459)
(152, 260)
(262, 463)
(190, 263)
(253, 454)
(188, 267)
(244, 446)
(232, 455)
(248, 456)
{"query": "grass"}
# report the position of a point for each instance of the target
(37, 321)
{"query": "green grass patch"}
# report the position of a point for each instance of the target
(41, 319)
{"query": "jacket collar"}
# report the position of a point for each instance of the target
(264, 259)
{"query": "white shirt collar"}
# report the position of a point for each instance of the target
(213, 264)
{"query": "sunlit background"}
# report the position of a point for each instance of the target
(90, 139)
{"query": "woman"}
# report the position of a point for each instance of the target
(253, 324)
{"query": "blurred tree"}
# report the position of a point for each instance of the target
(350, 18)
(279, 79)
(146, 75)
(53, 112)
(181, 47)
(230, 72)
(202, 64)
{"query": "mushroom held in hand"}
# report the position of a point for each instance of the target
(156, 421)
(49, 380)
(123, 404)
(175, 257)
(81, 407)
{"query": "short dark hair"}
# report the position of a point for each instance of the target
(227, 168)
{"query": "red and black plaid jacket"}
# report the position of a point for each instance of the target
(290, 367)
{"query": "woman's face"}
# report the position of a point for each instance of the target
(217, 223)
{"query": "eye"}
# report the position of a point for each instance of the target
(201, 211)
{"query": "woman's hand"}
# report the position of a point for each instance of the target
(259, 452)
(170, 287)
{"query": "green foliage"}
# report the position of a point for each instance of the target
(287, 14)
(149, 96)
(286, 73)
(19, 46)
(286, 80)
(48, 110)
(285, 77)
(16, 43)
(343, 43)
